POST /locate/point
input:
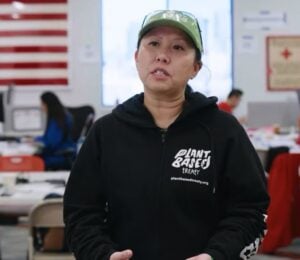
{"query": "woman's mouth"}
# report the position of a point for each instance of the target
(160, 73)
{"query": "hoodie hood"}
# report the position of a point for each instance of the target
(134, 112)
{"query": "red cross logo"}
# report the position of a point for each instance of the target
(286, 53)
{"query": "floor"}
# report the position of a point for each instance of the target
(14, 244)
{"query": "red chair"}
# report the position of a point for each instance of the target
(284, 211)
(21, 163)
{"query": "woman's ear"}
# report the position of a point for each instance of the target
(200, 65)
(136, 55)
(197, 68)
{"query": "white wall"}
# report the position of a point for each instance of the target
(249, 68)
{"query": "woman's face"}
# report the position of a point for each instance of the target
(43, 107)
(166, 60)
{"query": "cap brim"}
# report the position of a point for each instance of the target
(166, 22)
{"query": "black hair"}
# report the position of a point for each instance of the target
(198, 55)
(55, 110)
(235, 93)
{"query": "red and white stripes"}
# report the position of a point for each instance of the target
(34, 43)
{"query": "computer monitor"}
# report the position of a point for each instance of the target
(22, 119)
(266, 113)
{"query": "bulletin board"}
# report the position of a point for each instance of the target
(283, 62)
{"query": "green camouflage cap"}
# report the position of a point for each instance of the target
(184, 21)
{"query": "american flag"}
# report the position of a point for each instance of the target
(34, 43)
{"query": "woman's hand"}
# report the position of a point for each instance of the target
(122, 255)
(201, 257)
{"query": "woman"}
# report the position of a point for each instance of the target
(166, 175)
(57, 146)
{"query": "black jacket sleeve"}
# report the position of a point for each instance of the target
(244, 199)
(85, 204)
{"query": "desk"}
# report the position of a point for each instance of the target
(265, 138)
(20, 134)
(17, 148)
(28, 194)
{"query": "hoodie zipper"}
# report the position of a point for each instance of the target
(163, 133)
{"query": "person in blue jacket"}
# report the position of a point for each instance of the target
(56, 144)
(166, 175)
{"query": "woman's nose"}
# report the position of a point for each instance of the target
(162, 56)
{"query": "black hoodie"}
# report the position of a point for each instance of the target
(197, 187)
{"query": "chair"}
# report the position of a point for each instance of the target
(47, 214)
(272, 153)
(83, 118)
(283, 212)
(21, 163)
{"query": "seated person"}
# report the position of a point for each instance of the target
(231, 103)
(57, 146)
(233, 100)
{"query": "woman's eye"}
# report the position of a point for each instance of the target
(153, 43)
(178, 47)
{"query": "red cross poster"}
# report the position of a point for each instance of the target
(283, 63)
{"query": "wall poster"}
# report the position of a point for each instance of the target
(283, 62)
